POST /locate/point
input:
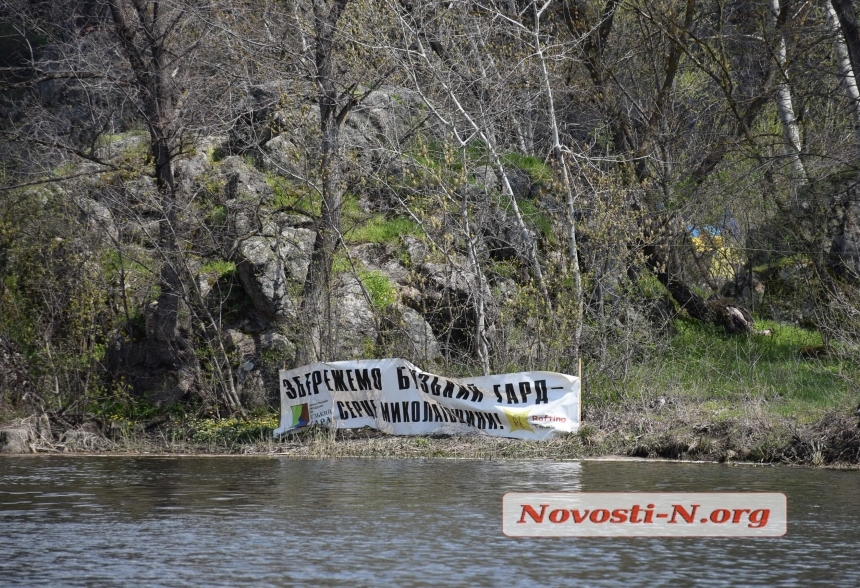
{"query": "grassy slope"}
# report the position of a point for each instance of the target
(725, 373)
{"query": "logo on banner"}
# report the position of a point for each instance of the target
(301, 415)
(518, 419)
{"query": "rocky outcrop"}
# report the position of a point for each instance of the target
(486, 176)
(444, 294)
(268, 263)
(522, 184)
(15, 440)
(383, 119)
(283, 134)
(162, 367)
(353, 323)
(264, 279)
(383, 258)
(420, 342)
(294, 248)
(281, 156)
(98, 217)
(253, 117)
(26, 435)
(256, 376)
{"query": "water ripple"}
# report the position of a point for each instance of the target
(255, 521)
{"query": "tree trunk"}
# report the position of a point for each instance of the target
(845, 247)
(480, 315)
(846, 73)
(847, 17)
(164, 366)
(570, 196)
(784, 106)
(316, 301)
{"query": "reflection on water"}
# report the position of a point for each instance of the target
(271, 521)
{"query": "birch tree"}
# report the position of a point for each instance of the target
(777, 17)
(846, 72)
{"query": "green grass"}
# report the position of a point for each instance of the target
(219, 268)
(234, 430)
(378, 229)
(532, 215)
(287, 196)
(534, 166)
(720, 372)
(382, 293)
(380, 289)
(217, 216)
(538, 218)
(360, 227)
(216, 154)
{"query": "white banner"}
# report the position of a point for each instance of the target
(396, 397)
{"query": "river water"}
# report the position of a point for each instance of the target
(240, 521)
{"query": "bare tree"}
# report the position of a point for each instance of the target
(334, 104)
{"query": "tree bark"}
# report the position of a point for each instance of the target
(847, 17)
(784, 106)
(846, 72)
(570, 196)
(844, 257)
(316, 303)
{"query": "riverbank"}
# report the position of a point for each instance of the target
(667, 428)
(704, 396)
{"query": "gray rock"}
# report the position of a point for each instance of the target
(383, 258)
(240, 343)
(98, 217)
(295, 246)
(15, 440)
(486, 176)
(379, 123)
(241, 217)
(419, 334)
(277, 343)
(282, 157)
(243, 182)
(253, 115)
(140, 232)
(353, 321)
(267, 263)
(252, 391)
(246, 345)
(446, 300)
(262, 274)
(521, 183)
(455, 277)
(143, 192)
(503, 237)
(186, 171)
(416, 248)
